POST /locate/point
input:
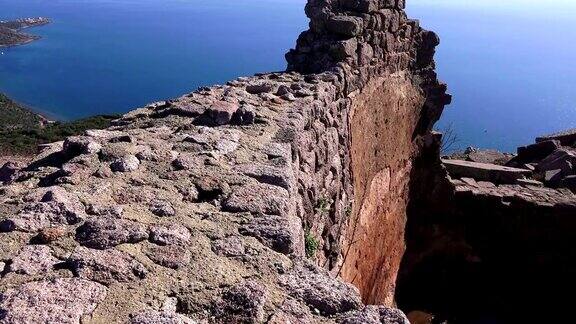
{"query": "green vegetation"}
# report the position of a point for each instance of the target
(21, 131)
(323, 205)
(310, 243)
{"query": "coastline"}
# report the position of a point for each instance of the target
(11, 31)
(28, 41)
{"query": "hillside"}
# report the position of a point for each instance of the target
(11, 31)
(21, 130)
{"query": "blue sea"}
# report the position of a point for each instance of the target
(110, 56)
(509, 67)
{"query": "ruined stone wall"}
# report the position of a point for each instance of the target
(392, 100)
(209, 207)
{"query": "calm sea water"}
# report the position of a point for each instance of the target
(109, 56)
(510, 70)
(510, 65)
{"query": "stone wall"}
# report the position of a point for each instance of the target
(237, 203)
(393, 100)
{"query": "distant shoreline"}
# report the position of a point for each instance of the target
(11, 31)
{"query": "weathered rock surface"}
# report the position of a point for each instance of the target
(59, 301)
(207, 199)
(105, 266)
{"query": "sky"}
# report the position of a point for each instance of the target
(532, 7)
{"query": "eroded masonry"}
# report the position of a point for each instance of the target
(277, 198)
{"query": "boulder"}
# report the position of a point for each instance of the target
(563, 159)
(63, 300)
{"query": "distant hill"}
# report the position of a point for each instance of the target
(10, 31)
(21, 130)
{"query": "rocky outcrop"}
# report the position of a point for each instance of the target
(488, 240)
(205, 207)
(10, 31)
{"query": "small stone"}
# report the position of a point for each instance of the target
(128, 163)
(374, 315)
(9, 172)
(282, 90)
(106, 232)
(156, 317)
(187, 161)
(288, 97)
(221, 112)
(77, 145)
(63, 300)
(162, 208)
(50, 234)
(170, 256)
(259, 88)
(105, 266)
(258, 198)
(104, 210)
(231, 247)
(245, 115)
(242, 303)
(33, 260)
(171, 234)
(529, 183)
